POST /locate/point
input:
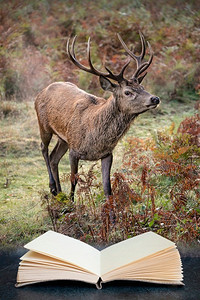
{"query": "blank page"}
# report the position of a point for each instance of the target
(68, 249)
(131, 250)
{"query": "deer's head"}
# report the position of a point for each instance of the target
(130, 95)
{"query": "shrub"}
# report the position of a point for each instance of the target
(157, 189)
(8, 109)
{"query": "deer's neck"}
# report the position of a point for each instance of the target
(119, 120)
(112, 122)
(107, 125)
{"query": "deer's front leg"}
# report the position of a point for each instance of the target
(108, 208)
(106, 164)
(74, 170)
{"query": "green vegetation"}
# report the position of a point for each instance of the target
(156, 188)
(32, 55)
(24, 180)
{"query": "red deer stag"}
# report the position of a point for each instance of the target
(87, 125)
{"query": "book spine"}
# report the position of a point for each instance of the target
(99, 284)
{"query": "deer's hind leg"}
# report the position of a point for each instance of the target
(46, 138)
(57, 153)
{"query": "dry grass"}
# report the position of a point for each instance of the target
(23, 175)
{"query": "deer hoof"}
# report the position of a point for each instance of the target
(54, 192)
(53, 189)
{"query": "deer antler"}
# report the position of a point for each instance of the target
(116, 77)
(141, 67)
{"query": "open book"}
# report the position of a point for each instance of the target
(146, 257)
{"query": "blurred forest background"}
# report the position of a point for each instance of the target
(155, 175)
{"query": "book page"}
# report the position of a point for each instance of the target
(42, 260)
(160, 267)
(29, 275)
(67, 249)
(131, 250)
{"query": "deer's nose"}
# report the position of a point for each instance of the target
(155, 100)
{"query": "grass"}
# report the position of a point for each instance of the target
(23, 175)
(32, 55)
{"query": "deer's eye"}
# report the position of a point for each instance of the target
(127, 93)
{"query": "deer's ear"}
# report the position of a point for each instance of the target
(106, 84)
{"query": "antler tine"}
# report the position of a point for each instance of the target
(138, 58)
(141, 67)
(124, 68)
(72, 56)
(143, 45)
(117, 77)
(92, 68)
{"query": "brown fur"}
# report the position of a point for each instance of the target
(90, 126)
